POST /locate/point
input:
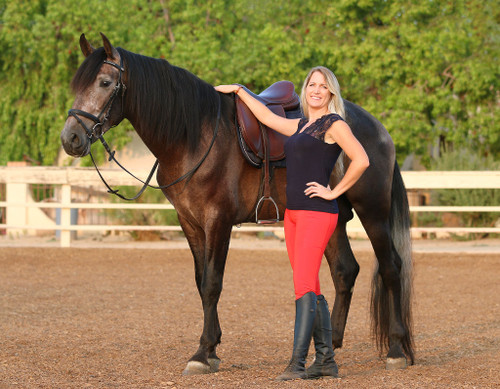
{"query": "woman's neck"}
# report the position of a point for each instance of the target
(316, 114)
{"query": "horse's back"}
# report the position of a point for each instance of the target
(369, 131)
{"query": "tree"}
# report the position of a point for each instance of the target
(427, 70)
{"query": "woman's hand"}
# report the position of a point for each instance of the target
(317, 190)
(284, 126)
(232, 88)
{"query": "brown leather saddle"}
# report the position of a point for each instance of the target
(260, 145)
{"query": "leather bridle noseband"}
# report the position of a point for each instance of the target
(101, 119)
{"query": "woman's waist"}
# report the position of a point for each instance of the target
(296, 201)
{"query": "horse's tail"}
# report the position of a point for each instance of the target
(401, 238)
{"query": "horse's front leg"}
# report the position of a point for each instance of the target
(209, 246)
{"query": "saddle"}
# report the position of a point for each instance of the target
(260, 145)
(280, 98)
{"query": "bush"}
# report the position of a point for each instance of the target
(144, 217)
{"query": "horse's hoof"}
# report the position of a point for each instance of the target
(214, 364)
(395, 363)
(195, 367)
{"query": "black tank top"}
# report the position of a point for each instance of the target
(309, 158)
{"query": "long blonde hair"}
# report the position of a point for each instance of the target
(336, 104)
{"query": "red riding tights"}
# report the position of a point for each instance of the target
(306, 235)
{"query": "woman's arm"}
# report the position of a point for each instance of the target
(280, 124)
(341, 133)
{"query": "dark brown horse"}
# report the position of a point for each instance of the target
(181, 119)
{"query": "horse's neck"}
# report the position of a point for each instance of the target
(164, 133)
(156, 148)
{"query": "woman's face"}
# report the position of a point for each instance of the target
(317, 93)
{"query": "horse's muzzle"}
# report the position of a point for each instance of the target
(75, 142)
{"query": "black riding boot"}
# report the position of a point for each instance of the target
(305, 312)
(324, 365)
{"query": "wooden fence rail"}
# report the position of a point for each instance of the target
(18, 179)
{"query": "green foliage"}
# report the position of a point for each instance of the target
(428, 70)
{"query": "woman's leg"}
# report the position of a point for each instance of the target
(306, 236)
(312, 233)
(290, 226)
(324, 364)
(305, 313)
(315, 231)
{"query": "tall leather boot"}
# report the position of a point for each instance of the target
(305, 312)
(324, 365)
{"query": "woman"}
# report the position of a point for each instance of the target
(315, 142)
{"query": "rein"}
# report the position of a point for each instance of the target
(104, 115)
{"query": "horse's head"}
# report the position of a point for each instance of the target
(98, 105)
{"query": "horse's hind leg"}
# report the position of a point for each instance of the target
(388, 325)
(344, 270)
(209, 247)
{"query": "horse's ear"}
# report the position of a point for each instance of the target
(86, 47)
(111, 52)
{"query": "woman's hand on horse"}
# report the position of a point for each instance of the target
(232, 88)
(317, 190)
(285, 126)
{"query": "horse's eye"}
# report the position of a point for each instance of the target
(105, 84)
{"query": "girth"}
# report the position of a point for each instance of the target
(260, 145)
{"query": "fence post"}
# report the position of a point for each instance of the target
(16, 215)
(65, 215)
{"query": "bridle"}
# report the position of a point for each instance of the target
(101, 119)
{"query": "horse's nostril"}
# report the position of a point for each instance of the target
(75, 140)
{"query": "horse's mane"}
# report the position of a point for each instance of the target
(172, 103)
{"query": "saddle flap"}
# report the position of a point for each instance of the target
(249, 126)
(276, 140)
(252, 132)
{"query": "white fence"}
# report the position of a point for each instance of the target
(18, 203)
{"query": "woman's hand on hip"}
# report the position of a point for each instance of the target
(317, 190)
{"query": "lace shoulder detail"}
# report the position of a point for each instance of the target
(302, 123)
(319, 128)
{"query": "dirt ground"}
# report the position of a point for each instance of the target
(130, 318)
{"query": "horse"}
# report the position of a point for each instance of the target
(182, 119)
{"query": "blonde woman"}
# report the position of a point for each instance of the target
(312, 149)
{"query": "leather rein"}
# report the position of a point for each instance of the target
(96, 133)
